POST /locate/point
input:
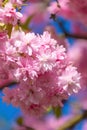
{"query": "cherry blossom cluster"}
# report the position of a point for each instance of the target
(42, 69)
(9, 15)
(39, 64)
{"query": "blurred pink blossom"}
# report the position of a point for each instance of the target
(78, 53)
(47, 123)
(74, 9)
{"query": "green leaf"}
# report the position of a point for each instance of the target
(9, 29)
(20, 121)
(26, 24)
(4, 2)
(57, 111)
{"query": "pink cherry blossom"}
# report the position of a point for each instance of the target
(9, 15)
(53, 8)
(70, 79)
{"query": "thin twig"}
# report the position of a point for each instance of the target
(73, 121)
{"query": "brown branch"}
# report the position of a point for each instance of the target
(8, 84)
(67, 34)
